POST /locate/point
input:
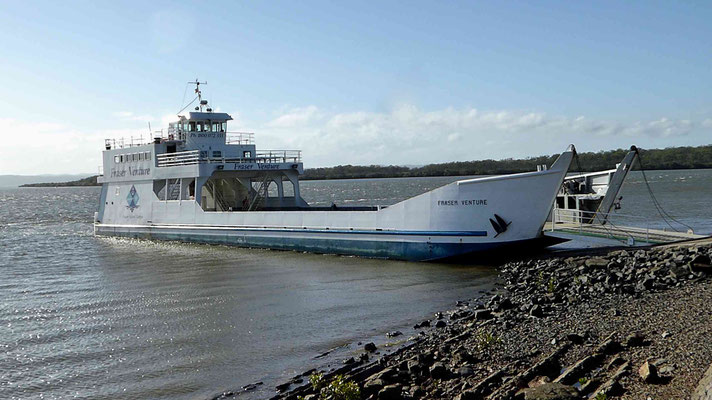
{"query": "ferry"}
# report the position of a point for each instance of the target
(199, 182)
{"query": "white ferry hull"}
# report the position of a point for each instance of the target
(457, 219)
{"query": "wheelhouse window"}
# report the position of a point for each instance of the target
(116, 159)
(246, 154)
(223, 127)
(192, 126)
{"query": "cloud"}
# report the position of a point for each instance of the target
(409, 135)
(54, 148)
(405, 135)
(296, 117)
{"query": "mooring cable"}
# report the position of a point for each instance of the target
(656, 203)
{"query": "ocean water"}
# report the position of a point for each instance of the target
(99, 318)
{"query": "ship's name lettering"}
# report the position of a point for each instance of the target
(467, 202)
(268, 166)
(244, 166)
(115, 173)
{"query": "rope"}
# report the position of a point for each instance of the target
(187, 105)
(656, 203)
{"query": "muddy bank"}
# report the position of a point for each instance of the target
(626, 324)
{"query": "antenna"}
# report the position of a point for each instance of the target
(149, 129)
(197, 84)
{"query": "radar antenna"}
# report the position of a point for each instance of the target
(201, 102)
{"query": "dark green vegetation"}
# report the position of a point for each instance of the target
(670, 158)
(90, 181)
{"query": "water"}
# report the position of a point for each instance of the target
(87, 317)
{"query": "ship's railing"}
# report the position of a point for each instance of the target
(236, 138)
(240, 138)
(626, 228)
(180, 158)
(261, 157)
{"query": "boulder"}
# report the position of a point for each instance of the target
(390, 392)
(370, 347)
(438, 371)
(701, 263)
(373, 386)
(704, 388)
(635, 339)
(596, 262)
(440, 324)
(648, 372)
(536, 311)
(483, 314)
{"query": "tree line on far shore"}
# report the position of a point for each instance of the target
(670, 158)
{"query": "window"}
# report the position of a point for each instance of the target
(140, 156)
(121, 158)
(116, 159)
(192, 126)
(147, 155)
(217, 154)
(201, 127)
(246, 154)
(223, 127)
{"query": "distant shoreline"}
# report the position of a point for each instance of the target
(673, 158)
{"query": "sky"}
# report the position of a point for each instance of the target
(365, 82)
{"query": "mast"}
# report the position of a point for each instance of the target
(201, 102)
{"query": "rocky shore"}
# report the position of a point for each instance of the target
(631, 324)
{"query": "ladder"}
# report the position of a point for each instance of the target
(218, 197)
(174, 191)
(260, 194)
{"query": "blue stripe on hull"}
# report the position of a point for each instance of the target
(409, 251)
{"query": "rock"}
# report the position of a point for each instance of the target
(438, 371)
(370, 347)
(350, 360)
(648, 372)
(701, 263)
(635, 339)
(467, 395)
(465, 371)
(283, 387)
(596, 262)
(666, 334)
(575, 338)
(373, 386)
(505, 304)
(438, 315)
(423, 324)
(440, 324)
(483, 314)
(551, 391)
(415, 367)
(394, 334)
(536, 311)
(390, 392)
(704, 387)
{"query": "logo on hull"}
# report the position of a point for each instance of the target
(132, 199)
